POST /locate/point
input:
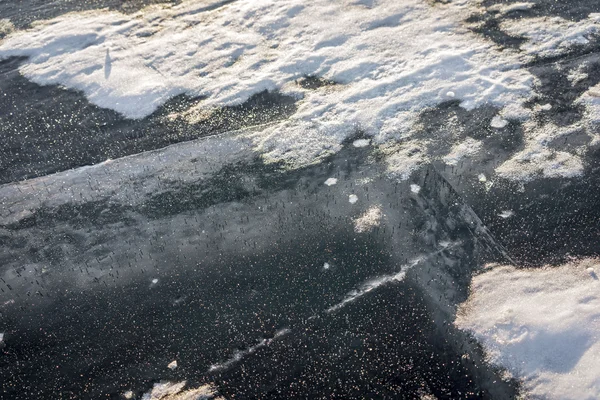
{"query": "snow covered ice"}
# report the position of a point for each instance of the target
(389, 60)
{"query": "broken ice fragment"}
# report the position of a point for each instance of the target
(482, 178)
(331, 181)
(415, 188)
(326, 266)
(172, 364)
(352, 198)
(154, 281)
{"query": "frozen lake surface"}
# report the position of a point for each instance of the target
(284, 199)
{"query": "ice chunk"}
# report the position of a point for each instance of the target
(352, 198)
(498, 122)
(326, 266)
(415, 188)
(506, 214)
(331, 181)
(172, 364)
(154, 281)
(361, 143)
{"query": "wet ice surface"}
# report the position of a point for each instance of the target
(232, 284)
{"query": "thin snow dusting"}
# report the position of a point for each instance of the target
(239, 354)
(542, 325)
(390, 60)
(178, 391)
(397, 276)
(549, 37)
(369, 220)
(6, 27)
(462, 150)
(539, 158)
(591, 101)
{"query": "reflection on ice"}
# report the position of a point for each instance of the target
(234, 251)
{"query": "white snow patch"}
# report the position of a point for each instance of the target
(326, 266)
(542, 325)
(172, 364)
(498, 122)
(361, 143)
(128, 394)
(331, 181)
(391, 60)
(462, 150)
(154, 281)
(414, 188)
(352, 198)
(369, 220)
(482, 178)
